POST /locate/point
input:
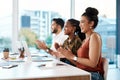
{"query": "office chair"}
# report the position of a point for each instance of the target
(105, 67)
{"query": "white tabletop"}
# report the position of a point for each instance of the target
(34, 70)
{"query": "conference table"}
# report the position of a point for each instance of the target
(40, 68)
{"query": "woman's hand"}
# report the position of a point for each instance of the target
(66, 52)
(56, 46)
(57, 54)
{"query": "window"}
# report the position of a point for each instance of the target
(35, 17)
(5, 24)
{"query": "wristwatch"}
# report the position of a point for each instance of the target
(75, 58)
(48, 49)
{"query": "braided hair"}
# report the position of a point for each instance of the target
(76, 23)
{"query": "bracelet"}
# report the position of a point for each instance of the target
(75, 58)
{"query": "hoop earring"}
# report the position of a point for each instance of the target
(90, 27)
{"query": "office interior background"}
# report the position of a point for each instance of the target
(30, 20)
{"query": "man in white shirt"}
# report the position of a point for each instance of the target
(58, 37)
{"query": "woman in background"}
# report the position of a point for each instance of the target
(74, 40)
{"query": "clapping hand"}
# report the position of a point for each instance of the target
(41, 44)
(56, 46)
(66, 52)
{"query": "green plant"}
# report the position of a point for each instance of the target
(28, 35)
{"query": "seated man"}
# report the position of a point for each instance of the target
(58, 37)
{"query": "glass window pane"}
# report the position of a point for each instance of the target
(5, 24)
(106, 26)
(104, 7)
(35, 18)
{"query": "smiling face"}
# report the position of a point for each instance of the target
(54, 26)
(85, 24)
(68, 29)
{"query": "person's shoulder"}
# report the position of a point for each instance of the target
(95, 35)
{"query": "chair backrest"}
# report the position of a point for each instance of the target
(105, 67)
